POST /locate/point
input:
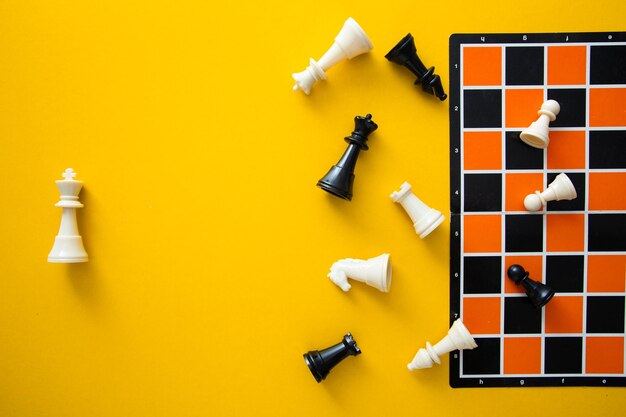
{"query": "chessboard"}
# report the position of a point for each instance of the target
(497, 84)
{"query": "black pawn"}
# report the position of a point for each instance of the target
(339, 179)
(538, 293)
(404, 53)
(321, 362)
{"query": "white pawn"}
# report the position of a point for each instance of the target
(68, 245)
(458, 338)
(536, 135)
(350, 42)
(560, 189)
(375, 272)
(425, 219)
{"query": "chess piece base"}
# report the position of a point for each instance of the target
(68, 249)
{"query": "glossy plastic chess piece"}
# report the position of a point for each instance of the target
(559, 189)
(340, 178)
(350, 42)
(321, 362)
(536, 135)
(458, 338)
(405, 53)
(375, 272)
(538, 293)
(68, 244)
(425, 219)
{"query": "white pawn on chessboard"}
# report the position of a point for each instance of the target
(536, 135)
(425, 219)
(350, 42)
(458, 338)
(560, 189)
(68, 245)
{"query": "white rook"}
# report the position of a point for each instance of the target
(425, 219)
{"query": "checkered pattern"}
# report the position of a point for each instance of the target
(498, 82)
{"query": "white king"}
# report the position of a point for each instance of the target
(458, 338)
(425, 219)
(560, 189)
(537, 133)
(375, 272)
(68, 245)
(350, 42)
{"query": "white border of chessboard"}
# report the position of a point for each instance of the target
(457, 41)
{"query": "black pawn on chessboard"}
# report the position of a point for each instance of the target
(339, 179)
(404, 53)
(321, 362)
(538, 293)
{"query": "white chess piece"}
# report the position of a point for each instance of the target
(425, 219)
(536, 135)
(458, 338)
(560, 189)
(350, 42)
(68, 245)
(375, 272)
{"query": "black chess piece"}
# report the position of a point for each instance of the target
(538, 293)
(321, 362)
(339, 179)
(404, 53)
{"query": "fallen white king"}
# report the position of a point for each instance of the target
(68, 245)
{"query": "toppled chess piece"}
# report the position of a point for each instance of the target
(340, 178)
(405, 53)
(425, 219)
(350, 42)
(538, 293)
(458, 338)
(68, 245)
(559, 189)
(375, 272)
(321, 362)
(536, 135)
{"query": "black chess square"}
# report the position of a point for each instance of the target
(578, 179)
(605, 314)
(606, 232)
(482, 108)
(565, 273)
(520, 316)
(563, 355)
(483, 192)
(608, 64)
(524, 65)
(484, 360)
(573, 102)
(607, 149)
(524, 232)
(521, 156)
(482, 274)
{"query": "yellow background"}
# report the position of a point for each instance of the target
(208, 240)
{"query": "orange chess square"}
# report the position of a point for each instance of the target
(607, 107)
(565, 232)
(605, 355)
(567, 65)
(566, 150)
(606, 273)
(532, 264)
(564, 314)
(482, 233)
(606, 191)
(522, 106)
(482, 66)
(518, 186)
(481, 315)
(522, 355)
(482, 150)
